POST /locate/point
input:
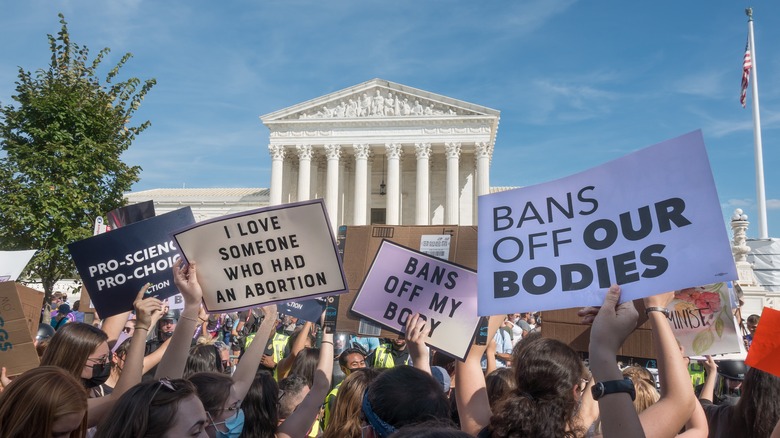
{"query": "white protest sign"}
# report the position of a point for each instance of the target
(279, 253)
(650, 222)
(402, 282)
(12, 263)
(703, 322)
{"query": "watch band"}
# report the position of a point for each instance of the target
(601, 389)
(663, 310)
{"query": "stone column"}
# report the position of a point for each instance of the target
(393, 216)
(333, 152)
(423, 153)
(361, 184)
(277, 169)
(483, 151)
(451, 204)
(304, 172)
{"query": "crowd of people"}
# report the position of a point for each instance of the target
(157, 373)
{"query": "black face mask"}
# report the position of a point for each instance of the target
(100, 373)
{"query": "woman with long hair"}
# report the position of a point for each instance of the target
(260, 407)
(345, 420)
(82, 351)
(155, 410)
(44, 402)
(644, 385)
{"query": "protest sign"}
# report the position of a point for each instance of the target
(764, 352)
(274, 254)
(20, 310)
(12, 263)
(115, 265)
(130, 214)
(306, 310)
(402, 282)
(650, 222)
(702, 320)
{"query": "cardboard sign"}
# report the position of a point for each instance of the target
(764, 352)
(650, 221)
(702, 320)
(306, 310)
(275, 254)
(115, 265)
(12, 263)
(20, 310)
(402, 282)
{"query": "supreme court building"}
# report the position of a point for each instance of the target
(382, 152)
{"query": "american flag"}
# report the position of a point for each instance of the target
(747, 64)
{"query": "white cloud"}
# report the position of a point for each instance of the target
(773, 204)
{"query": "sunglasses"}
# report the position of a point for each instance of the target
(101, 360)
(163, 383)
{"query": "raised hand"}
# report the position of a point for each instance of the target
(186, 280)
(146, 309)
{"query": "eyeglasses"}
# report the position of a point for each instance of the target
(163, 383)
(101, 360)
(235, 409)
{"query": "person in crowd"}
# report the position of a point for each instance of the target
(300, 339)
(292, 390)
(499, 351)
(510, 323)
(162, 332)
(78, 315)
(261, 409)
(756, 411)
(752, 325)
(430, 429)
(62, 317)
(350, 360)
(723, 381)
(82, 350)
(44, 402)
(42, 338)
(305, 364)
(499, 383)
(163, 408)
(345, 418)
(644, 386)
(366, 343)
(401, 396)
(204, 358)
(389, 354)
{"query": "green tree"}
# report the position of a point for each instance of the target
(62, 142)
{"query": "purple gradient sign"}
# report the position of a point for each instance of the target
(402, 282)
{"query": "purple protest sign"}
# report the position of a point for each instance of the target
(402, 281)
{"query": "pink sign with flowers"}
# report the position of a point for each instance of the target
(703, 321)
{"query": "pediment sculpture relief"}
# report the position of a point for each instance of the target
(379, 103)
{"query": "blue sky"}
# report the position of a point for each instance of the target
(577, 83)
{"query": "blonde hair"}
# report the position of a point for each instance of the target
(71, 346)
(644, 385)
(345, 420)
(34, 401)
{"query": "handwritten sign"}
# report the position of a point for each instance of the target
(273, 254)
(402, 282)
(650, 222)
(702, 320)
(17, 352)
(115, 265)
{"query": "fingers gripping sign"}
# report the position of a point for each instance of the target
(186, 279)
(146, 309)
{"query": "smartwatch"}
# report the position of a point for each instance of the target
(601, 389)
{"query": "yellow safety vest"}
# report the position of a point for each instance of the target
(697, 373)
(328, 398)
(383, 357)
(278, 343)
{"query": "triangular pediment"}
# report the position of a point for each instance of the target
(378, 99)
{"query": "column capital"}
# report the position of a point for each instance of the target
(483, 149)
(422, 150)
(333, 151)
(277, 151)
(362, 151)
(452, 149)
(393, 150)
(304, 151)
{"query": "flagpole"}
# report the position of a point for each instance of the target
(757, 148)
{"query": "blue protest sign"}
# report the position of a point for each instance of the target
(115, 265)
(307, 310)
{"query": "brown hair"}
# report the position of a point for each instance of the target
(213, 390)
(345, 420)
(71, 346)
(644, 384)
(31, 404)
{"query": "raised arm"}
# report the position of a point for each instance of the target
(133, 369)
(298, 424)
(697, 426)
(175, 358)
(113, 325)
(470, 392)
(416, 334)
(284, 365)
(247, 366)
(611, 326)
(667, 416)
(708, 389)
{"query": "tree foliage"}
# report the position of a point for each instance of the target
(62, 144)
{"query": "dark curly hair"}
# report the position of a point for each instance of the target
(544, 403)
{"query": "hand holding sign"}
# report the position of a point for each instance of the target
(146, 309)
(613, 323)
(186, 280)
(416, 334)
